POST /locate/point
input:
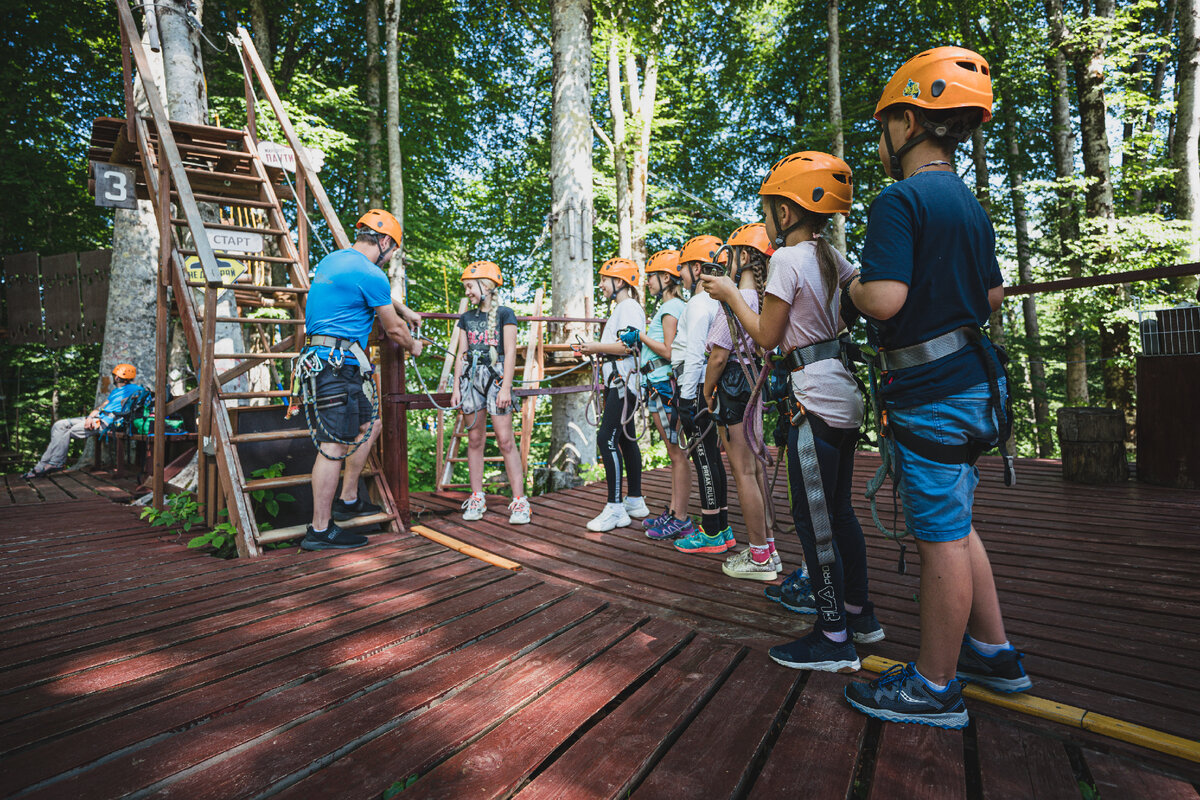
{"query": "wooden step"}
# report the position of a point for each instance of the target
(228, 177)
(227, 226)
(251, 287)
(243, 256)
(284, 481)
(259, 321)
(463, 459)
(252, 395)
(296, 531)
(245, 356)
(270, 436)
(225, 200)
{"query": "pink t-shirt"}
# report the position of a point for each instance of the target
(825, 388)
(718, 331)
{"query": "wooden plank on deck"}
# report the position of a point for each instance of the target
(1014, 762)
(918, 762)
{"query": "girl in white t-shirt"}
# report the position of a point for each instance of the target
(616, 438)
(800, 309)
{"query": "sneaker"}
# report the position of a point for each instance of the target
(701, 542)
(900, 695)
(359, 508)
(519, 511)
(332, 538)
(474, 507)
(636, 507)
(649, 523)
(794, 584)
(817, 652)
(741, 565)
(730, 542)
(801, 603)
(613, 516)
(864, 627)
(776, 561)
(1000, 673)
(672, 529)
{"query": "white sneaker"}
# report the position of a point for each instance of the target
(474, 507)
(519, 511)
(636, 507)
(776, 561)
(741, 565)
(613, 516)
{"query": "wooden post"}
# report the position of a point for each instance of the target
(302, 222)
(532, 372)
(447, 374)
(161, 325)
(394, 417)
(127, 82)
(208, 385)
(251, 122)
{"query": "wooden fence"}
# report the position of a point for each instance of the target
(56, 300)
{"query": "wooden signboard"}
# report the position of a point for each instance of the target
(116, 185)
(60, 296)
(94, 269)
(22, 284)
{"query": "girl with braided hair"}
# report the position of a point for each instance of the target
(800, 315)
(483, 380)
(728, 386)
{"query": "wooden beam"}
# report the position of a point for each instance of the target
(1112, 279)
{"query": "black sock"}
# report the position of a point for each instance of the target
(723, 519)
(711, 522)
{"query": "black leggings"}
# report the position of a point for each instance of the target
(710, 470)
(618, 447)
(846, 578)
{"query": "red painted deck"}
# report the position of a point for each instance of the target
(609, 666)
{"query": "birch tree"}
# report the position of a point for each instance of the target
(395, 162)
(1186, 144)
(835, 111)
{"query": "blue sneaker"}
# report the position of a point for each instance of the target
(900, 695)
(1000, 673)
(728, 534)
(671, 529)
(649, 523)
(701, 542)
(816, 651)
(794, 586)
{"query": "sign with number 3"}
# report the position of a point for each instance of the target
(115, 185)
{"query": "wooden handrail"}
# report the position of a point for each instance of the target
(1112, 279)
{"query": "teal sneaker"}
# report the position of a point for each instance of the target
(728, 534)
(701, 542)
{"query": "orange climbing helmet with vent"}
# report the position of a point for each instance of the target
(381, 221)
(814, 180)
(942, 78)
(664, 261)
(700, 248)
(483, 269)
(752, 235)
(622, 269)
(126, 372)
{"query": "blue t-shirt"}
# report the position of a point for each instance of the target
(929, 232)
(114, 403)
(674, 308)
(345, 291)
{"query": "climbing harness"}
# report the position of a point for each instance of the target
(305, 369)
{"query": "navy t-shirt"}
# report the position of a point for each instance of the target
(929, 232)
(346, 289)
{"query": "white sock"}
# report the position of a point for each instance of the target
(988, 649)
(937, 687)
(836, 636)
(853, 609)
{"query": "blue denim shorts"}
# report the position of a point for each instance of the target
(660, 391)
(938, 497)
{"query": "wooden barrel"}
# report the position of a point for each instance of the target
(1093, 445)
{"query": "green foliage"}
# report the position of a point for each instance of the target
(180, 513)
(399, 786)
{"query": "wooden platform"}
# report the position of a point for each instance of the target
(133, 667)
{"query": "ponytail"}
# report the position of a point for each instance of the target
(826, 260)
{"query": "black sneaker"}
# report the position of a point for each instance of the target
(817, 652)
(864, 627)
(899, 695)
(333, 538)
(794, 594)
(1000, 673)
(343, 511)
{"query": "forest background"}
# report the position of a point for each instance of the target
(1088, 166)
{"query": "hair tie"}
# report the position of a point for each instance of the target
(816, 236)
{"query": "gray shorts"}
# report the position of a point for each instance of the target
(479, 386)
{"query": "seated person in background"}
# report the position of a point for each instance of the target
(93, 424)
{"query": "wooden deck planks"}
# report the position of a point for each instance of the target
(917, 762)
(1019, 763)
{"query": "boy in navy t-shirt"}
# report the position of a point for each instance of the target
(929, 281)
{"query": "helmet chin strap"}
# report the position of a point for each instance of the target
(384, 255)
(781, 235)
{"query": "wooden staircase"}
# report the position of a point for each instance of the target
(179, 167)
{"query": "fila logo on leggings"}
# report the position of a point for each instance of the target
(828, 598)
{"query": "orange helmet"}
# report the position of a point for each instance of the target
(125, 372)
(700, 248)
(816, 181)
(664, 261)
(941, 78)
(483, 269)
(752, 235)
(622, 269)
(381, 221)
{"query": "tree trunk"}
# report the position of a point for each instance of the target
(644, 112)
(1063, 140)
(261, 29)
(1156, 84)
(183, 78)
(1186, 145)
(616, 107)
(835, 111)
(1037, 369)
(572, 438)
(395, 157)
(374, 169)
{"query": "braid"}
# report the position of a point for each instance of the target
(491, 328)
(758, 261)
(826, 260)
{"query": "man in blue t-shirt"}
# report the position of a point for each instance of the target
(94, 424)
(929, 282)
(349, 291)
